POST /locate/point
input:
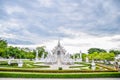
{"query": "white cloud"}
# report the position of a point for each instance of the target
(5, 35)
(12, 23)
(14, 9)
(74, 45)
(46, 3)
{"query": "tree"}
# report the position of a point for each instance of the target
(3, 46)
(34, 52)
(98, 50)
(84, 56)
(116, 52)
(76, 55)
(45, 54)
(3, 43)
(41, 51)
(101, 56)
(30, 55)
(93, 56)
(2, 53)
(13, 52)
(109, 56)
(23, 53)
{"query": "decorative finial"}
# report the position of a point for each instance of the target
(80, 51)
(59, 42)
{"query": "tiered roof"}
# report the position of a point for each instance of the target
(59, 48)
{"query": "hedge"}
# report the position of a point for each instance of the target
(53, 71)
(77, 66)
(107, 67)
(59, 75)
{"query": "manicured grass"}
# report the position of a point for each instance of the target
(83, 63)
(27, 64)
(60, 75)
(80, 67)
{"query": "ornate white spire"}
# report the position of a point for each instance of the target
(59, 42)
(59, 48)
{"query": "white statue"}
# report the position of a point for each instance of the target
(20, 63)
(87, 60)
(93, 65)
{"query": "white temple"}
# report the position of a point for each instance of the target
(58, 56)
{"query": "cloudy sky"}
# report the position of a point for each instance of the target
(79, 24)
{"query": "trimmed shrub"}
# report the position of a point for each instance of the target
(13, 64)
(3, 63)
(77, 66)
(59, 68)
(106, 67)
(53, 71)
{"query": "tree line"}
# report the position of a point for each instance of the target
(98, 54)
(19, 53)
(26, 53)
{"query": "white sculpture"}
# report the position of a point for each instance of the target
(9, 62)
(87, 60)
(20, 63)
(93, 67)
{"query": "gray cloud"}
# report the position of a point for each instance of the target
(79, 44)
(42, 19)
(115, 40)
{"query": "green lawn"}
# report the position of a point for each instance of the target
(27, 64)
(60, 75)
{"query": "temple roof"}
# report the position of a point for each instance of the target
(59, 48)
